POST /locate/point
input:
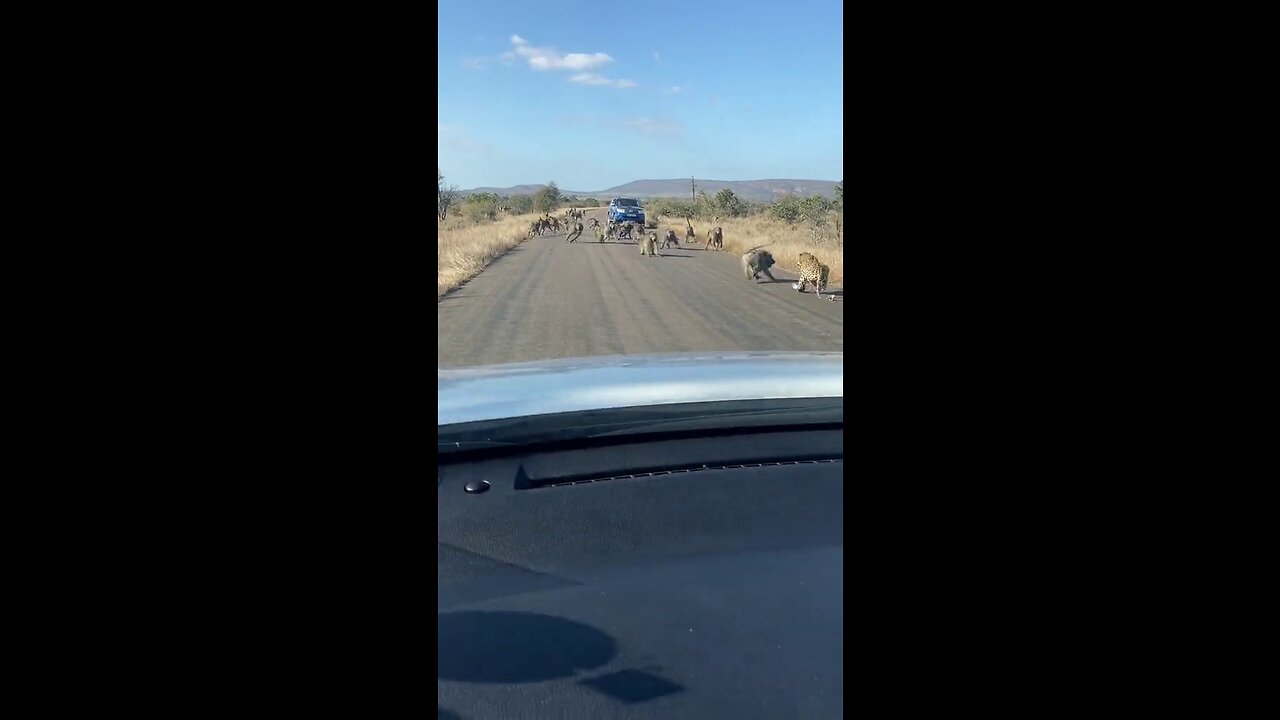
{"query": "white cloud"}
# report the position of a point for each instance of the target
(594, 79)
(549, 59)
(476, 63)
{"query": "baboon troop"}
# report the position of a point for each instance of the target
(756, 262)
(715, 238)
(646, 244)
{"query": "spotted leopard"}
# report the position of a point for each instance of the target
(812, 271)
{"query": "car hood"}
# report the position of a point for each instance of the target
(552, 386)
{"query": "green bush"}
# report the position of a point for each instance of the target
(787, 209)
(480, 207)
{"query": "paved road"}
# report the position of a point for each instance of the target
(550, 299)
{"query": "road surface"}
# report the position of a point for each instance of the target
(549, 299)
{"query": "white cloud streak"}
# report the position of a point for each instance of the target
(549, 59)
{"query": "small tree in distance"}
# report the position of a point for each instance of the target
(445, 197)
(547, 198)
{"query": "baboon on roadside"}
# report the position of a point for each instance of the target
(577, 233)
(646, 244)
(756, 262)
(670, 239)
(716, 238)
(689, 235)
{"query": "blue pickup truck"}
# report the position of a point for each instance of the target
(626, 210)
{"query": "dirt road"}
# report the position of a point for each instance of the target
(550, 299)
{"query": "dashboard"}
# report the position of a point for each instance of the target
(677, 577)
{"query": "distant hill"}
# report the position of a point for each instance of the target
(747, 189)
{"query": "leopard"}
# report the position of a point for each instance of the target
(812, 271)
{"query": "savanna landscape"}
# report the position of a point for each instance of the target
(474, 228)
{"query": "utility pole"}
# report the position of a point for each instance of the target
(693, 190)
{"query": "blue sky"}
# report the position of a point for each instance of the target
(593, 95)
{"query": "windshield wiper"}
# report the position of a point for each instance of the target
(755, 419)
(473, 445)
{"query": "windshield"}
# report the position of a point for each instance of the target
(605, 191)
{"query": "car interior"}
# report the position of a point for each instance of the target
(690, 570)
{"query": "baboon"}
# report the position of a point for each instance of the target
(577, 233)
(756, 262)
(646, 244)
(689, 234)
(599, 234)
(716, 238)
(595, 223)
(670, 239)
(624, 231)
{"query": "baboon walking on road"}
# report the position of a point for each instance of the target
(716, 238)
(756, 262)
(689, 235)
(577, 233)
(670, 239)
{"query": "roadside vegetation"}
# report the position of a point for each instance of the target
(786, 227)
(471, 231)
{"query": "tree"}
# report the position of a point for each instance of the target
(786, 209)
(728, 204)
(520, 204)
(547, 198)
(815, 208)
(445, 197)
(480, 207)
(840, 195)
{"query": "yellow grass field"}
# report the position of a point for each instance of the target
(463, 249)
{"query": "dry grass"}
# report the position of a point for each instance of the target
(464, 249)
(760, 231)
